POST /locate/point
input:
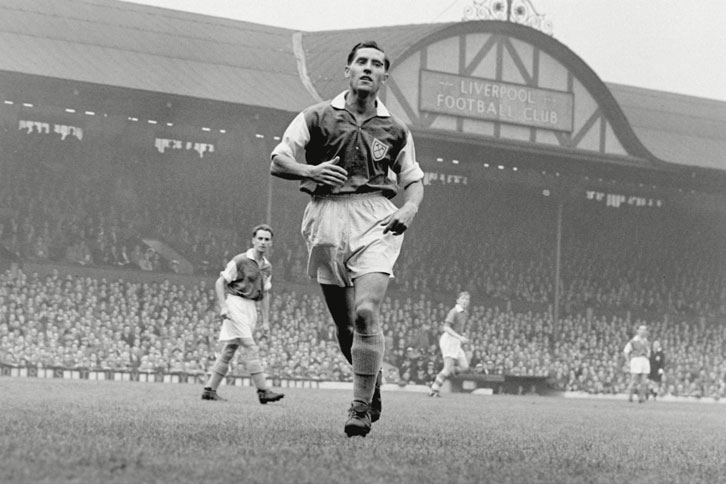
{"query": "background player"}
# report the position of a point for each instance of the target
(637, 350)
(450, 343)
(242, 286)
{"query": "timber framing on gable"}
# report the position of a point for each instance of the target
(477, 62)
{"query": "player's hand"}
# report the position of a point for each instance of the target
(464, 339)
(329, 173)
(398, 222)
(265, 327)
(223, 313)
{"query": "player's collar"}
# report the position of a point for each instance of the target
(338, 102)
(251, 256)
(459, 308)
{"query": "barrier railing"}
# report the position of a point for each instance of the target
(194, 378)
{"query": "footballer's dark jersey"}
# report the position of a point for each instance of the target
(369, 151)
(246, 278)
(456, 318)
(639, 347)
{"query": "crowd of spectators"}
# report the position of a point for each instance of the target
(98, 324)
(88, 203)
(662, 260)
(57, 205)
(83, 322)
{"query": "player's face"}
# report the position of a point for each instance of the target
(463, 301)
(367, 72)
(262, 241)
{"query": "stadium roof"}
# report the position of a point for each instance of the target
(127, 45)
(132, 46)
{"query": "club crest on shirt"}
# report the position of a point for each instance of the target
(379, 149)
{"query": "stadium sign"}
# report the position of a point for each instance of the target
(437, 178)
(615, 200)
(491, 100)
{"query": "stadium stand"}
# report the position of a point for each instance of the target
(89, 197)
(75, 322)
(74, 218)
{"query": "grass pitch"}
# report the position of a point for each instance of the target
(123, 432)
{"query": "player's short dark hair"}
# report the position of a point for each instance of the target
(264, 227)
(368, 44)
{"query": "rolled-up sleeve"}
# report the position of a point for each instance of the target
(230, 272)
(406, 167)
(294, 140)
